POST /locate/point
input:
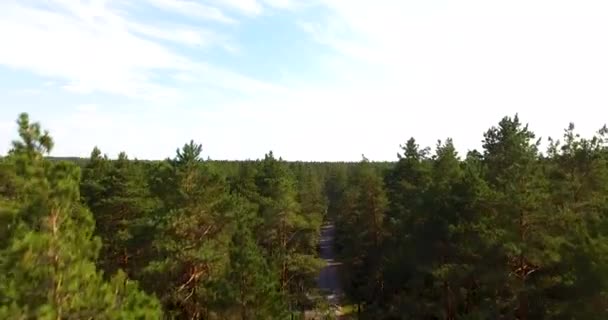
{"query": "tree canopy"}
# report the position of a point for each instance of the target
(510, 231)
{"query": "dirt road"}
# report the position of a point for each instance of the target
(329, 281)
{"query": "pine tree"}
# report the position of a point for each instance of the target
(252, 285)
(334, 188)
(527, 242)
(435, 237)
(313, 202)
(193, 239)
(361, 234)
(47, 269)
(285, 233)
(119, 197)
(190, 153)
(578, 171)
(406, 184)
(243, 183)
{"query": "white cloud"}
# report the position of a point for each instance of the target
(285, 4)
(255, 7)
(399, 69)
(456, 67)
(95, 48)
(92, 55)
(87, 108)
(396, 32)
(28, 92)
(178, 34)
(193, 9)
(249, 7)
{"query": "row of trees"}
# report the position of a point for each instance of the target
(182, 238)
(506, 233)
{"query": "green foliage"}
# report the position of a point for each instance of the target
(505, 233)
(192, 239)
(361, 233)
(47, 267)
(252, 286)
(119, 197)
(190, 153)
(286, 234)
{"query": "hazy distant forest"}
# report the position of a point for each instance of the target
(506, 232)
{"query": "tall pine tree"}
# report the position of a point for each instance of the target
(47, 266)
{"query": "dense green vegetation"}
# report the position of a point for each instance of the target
(183, 238)
(506, 233)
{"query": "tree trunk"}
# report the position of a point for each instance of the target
(57, 279)
(449, 305)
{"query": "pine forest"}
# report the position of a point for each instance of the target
(515, 230)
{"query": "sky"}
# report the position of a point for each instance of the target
(309, 79)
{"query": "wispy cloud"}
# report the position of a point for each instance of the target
(391, 68)
(193, 9)
(90, 51)
(248, 7)
(94, 47)
(257, 7)
(395, 32)
(287, 4)
(176, 33)
(441, 62)
(28, 92)
(87, 108)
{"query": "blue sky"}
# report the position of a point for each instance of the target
(308, 79)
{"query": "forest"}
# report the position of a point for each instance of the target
(515, 230)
